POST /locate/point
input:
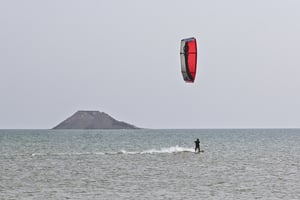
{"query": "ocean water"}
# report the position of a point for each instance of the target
(150, 164)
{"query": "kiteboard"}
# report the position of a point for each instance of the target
(202, 151)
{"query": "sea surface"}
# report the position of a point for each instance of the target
(150, 164)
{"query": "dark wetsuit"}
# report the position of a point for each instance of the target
(197, 145)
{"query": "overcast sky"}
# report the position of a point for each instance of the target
(122, 58)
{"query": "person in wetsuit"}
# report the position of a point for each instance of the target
(197, 146)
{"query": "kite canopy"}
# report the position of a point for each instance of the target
(188, 57)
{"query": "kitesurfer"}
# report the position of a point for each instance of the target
(197, 146)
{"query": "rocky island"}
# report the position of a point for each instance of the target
(93, 120)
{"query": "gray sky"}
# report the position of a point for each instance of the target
(122, 58)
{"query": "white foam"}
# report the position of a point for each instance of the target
(175, 149)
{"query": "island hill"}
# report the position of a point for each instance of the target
(93, 120)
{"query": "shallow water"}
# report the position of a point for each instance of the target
(150, 164)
